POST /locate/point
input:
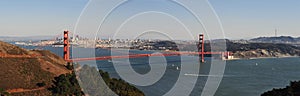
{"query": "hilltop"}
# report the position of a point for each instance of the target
(281, 39)
(23, 70)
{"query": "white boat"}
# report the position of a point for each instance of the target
(57, 45)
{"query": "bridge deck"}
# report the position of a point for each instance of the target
(143, 55)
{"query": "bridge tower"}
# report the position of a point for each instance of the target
(201, 47)
(66, 46)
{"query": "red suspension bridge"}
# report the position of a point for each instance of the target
(200, 52)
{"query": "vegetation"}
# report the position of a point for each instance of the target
(41, 84)
(292, 90)
(119, 86)
(69, 66)
(104, 84)
(66, 85)
(3, 92)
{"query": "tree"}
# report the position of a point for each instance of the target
(69, 66)
(119, 86)
(65, 85)
(292, 90)
(3, 92)
(42, 84)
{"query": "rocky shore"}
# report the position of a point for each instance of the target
(261, 53)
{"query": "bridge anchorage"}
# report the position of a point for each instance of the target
(201, 53)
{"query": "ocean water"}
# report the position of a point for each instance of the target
(241, 77)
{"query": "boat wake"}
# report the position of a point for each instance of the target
(201, 75)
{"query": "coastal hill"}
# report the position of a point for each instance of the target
(253, 50)
(281, 39)
(246, 49)
(259, 50)
(24, 71)
(42, 73)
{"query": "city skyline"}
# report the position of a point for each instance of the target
(240, 19)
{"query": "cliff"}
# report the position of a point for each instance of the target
(260, 53)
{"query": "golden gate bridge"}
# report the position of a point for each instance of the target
(200, 52)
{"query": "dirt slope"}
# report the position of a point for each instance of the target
(24, 69)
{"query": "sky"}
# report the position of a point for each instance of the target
(241, 19)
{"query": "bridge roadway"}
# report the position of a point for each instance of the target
(143, 55)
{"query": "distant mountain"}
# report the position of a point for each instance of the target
(281, 39)
(27, 38)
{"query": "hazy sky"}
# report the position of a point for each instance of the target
(241, 19)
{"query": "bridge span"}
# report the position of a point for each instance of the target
(200, 52)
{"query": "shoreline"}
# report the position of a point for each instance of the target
(254, 58)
